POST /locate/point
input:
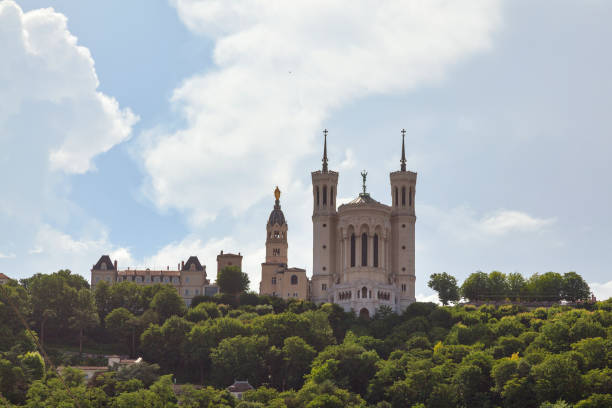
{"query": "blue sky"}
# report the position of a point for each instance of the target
(153, 131)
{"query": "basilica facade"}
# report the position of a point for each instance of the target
(363, 251)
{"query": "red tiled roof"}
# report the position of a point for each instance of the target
(3, 276)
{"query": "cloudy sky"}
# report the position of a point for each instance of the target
(156, 130)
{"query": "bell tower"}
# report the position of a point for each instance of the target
(403, 219)
(276, 239)
(324, 221)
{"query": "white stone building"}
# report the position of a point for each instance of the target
(363, 251)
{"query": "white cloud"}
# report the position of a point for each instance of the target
(7, 256)
(602, 291)
(504, 221)
(281, 69)
(427, 298)
(349, 160)
(46, 77)
(53, 122)
(462, 224)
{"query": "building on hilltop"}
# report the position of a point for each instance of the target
(363, 251)
(189, 278)
(277, 279)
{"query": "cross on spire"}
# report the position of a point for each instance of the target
(403, 159)
(325, 151)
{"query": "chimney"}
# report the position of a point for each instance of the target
(178, 267)
(168, 267)
(182, 265)
(115, 264)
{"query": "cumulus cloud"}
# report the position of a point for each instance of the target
(53, 122)
(504, 221)
(7, 256)
(433, 298)
(281, 68)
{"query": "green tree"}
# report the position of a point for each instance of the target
(548, 286)
(240, 357)
(574, 287)
(476, 286)
(557, 377)
(498, 286)
(122, 324)
(516, 285)
(297, 356)
(84, 314)
(446, 286)
(167, 302)
(232, 280)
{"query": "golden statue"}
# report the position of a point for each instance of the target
(277, 193)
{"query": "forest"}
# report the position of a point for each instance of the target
(297, 354)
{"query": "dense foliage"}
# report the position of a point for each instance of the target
(297, 354)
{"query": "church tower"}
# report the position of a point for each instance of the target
(276, 239)
(403, 218)
(324, 220)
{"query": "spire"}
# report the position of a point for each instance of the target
(403, 160)
(325, 152)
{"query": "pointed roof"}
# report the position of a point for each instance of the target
(325, 151)
(195, 261)
(104, 259)
(403, 159)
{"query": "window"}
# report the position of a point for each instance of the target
(147, 279)
(276, 234)
(294, 280)
(108, 278)
(175, 280)
(331, 196)
(138, 279)
(396, 196)
(403, 287)
(324, 195)
(186, 291)
(98, 279)
(317, 196)
(192, 267)
(410, 197)
(274, 280)
(324, 286)
(364, 292)
(352, 250)
(197, 291)
(375, 254)
(403, 196)
(187, 279)
(166, 279)
(364, 249)
(275, 251)
(103, 266)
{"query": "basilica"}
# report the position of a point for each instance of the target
(363, 251)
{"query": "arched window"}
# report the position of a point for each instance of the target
(331, 196)
(410, 197)
(396, 196)
(352, 250)
(294, 279)
(375, 254)
(324, 195)
(364, 292)
(364, 249)
(317, 196)
(403, 196)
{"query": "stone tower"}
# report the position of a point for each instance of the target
(324, 223)
(276, 239)
(403, 218)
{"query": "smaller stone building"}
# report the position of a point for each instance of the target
(189, 278)
(228, 259)
(277, 279)
(4, 279)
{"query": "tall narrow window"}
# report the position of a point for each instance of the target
(364, 249)
(410, 197)
(317, 196)
(403, 196)
(352, 250)
(324, 195)
(294, 280)
(396, 196)
(331, 196)
(375, 254)
(364, 292)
